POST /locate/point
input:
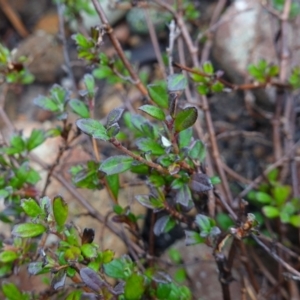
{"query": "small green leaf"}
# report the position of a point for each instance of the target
(115, 269)
(28, 230)
(198, 77)
(208, 68)
(46, 103)
(163, 225)
(203, 89)
(113, 130)
(71, 272)
(89, 82)
(175, 255)
(294, 79)
(180, 275)
(59, 94)
(295, 220)
(204, 223)
(53, 132)
(60, 211)
(193, 238)
(31, 208)
(215, 180)
(58, 279)
(3, 194)
(11, 291)
(150, 202)
(272, 175)
(116, 164)
(93, 128)
(273, 71)
(103, 72)
(185, 137)
(197, 151)
(271, 212)
(149, 145)
(156, 180)
(163, 291)
(89, 251)
(8, 256)
(114, 184)
(107, 256)
(17, 143)
(183, 195)
(185, 118)
(36, 138)
(32, 176)
(153, 111)
(176, 82)
(158, 94)
(134, 287)
(36, 268)
(75, 295)
(72, 253)
(224, 220)
(79, 108)
(217, 87)
(81, 40)
(263, 197)
(114, 116)
(281, 194)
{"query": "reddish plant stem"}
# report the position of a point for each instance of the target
(284, 60)
(194, 55)
(215, 150)
(233, 215)
(61, 151)
(116, 44)
(235, 87)
(155, 43)
(137, 157)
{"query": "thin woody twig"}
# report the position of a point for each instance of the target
(208, 44)
(173, 34)
(215, 149)
(60, 12)
(151, 164)
(235, 87)
(14, 18)
(284, 60)
(194, 55)
(180, 46)
(91, 210)
(235, 175)
(155, 43)
(259, 241)
(118, 48)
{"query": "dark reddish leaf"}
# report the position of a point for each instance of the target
(200, 183)
(59, 279)
(91, 279)
(87, 236)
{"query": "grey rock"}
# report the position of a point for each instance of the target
(45, 56)
(247, 33)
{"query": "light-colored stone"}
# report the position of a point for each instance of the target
(45, 56)
(247, 33)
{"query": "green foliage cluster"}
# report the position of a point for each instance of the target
(156, 143)
(276, 201)
(13, 70)
(77, 255)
